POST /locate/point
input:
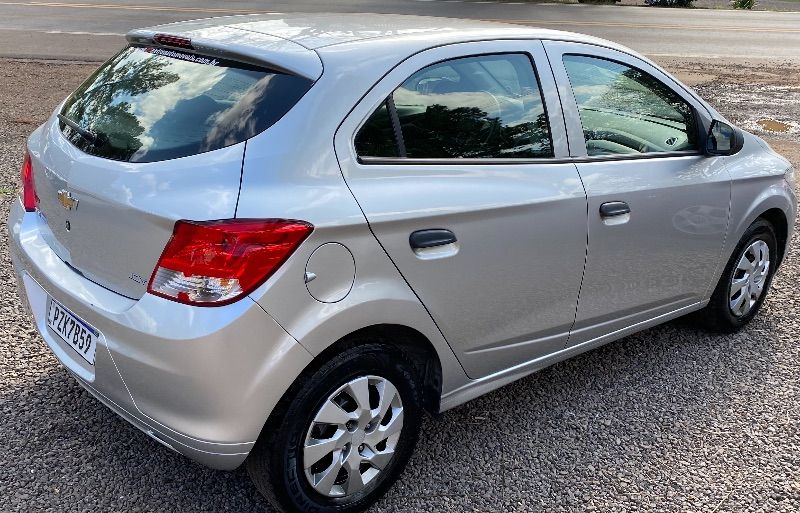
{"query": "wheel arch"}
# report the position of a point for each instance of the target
(416, 346)
(774, 203)
(777, 218)
(752, 200)
(410, 342)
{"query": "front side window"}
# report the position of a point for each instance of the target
(624, 110)
(148, 104)
(486, 106)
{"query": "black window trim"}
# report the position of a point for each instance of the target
(400, 161)
(394, 118)
(699, 121)
(389, 102)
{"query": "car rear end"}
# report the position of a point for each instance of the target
(128, 250)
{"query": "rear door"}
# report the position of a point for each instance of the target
(454, 159)
(658, 207)
(155, 135)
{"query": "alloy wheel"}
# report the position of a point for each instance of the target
(353, 436)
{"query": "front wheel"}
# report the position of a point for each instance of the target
(343, 434)
(744, 283)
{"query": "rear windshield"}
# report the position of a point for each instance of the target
(149, 104)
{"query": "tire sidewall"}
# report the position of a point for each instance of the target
(286, 458)
(759, 230)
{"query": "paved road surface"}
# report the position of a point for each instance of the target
(92, 31)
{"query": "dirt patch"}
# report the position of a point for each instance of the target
(762, 97)
(770, 125)
(692, 78)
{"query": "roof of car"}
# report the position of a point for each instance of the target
(282, 38)
(316, 30)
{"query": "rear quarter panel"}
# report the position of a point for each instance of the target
(291, 171)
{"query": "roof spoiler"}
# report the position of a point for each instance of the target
(235, 44)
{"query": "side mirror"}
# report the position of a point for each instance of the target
(723, 139)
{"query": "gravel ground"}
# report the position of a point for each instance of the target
(671, 419)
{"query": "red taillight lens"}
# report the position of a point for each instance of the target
(28, 192)
(212, 263)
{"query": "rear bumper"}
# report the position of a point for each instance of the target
(201, 381)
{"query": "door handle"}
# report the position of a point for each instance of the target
(431, 238)
(614, 208)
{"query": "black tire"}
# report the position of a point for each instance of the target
(717, 315)
(276, 463)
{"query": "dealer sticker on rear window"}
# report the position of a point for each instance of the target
(199, 59)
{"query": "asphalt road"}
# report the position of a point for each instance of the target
(92, 30)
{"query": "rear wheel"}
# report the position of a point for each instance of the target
(743, 286)
(343, 434)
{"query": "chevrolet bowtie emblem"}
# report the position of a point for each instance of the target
(66, 200)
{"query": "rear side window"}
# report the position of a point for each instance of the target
(151, 104)
(624, 110)
(377, 138)
(487, 106)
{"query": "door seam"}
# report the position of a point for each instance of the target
(389, 257)
(585, 259)
(241, 179)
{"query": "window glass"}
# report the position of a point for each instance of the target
(148, 104)
(376, 137)
(624, 110)
(505, 73)
(474, 107)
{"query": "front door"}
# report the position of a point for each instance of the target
(658, 207)
(452, 158)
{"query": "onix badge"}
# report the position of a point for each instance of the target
(66, 200)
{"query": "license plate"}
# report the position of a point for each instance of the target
(78, 334)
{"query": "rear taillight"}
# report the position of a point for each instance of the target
(211, 263)
(28, 192)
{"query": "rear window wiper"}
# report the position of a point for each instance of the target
(86, 134)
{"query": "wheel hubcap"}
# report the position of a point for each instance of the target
(353, 436)
(749, 278)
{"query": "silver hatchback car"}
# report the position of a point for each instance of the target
(277, 240)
